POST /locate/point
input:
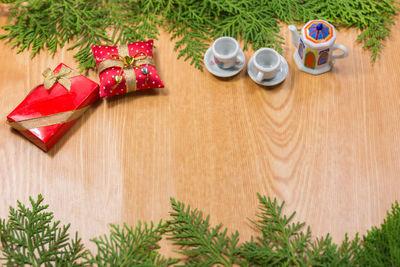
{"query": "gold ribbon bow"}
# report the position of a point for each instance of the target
(62, 77)
(127, 63)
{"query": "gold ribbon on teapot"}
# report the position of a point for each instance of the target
(62, 77)
(126, 63)
(50, 78)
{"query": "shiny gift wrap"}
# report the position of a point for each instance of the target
(51, 108)
(126, 68)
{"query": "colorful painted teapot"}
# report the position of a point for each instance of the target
(315, 46)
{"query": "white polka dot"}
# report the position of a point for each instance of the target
(109, 82)
(156, 76)
(143, 85)
(101, 52)
(154, 82)
(108, 53)
(142, 46)
(137, 43)
(159, 85)
(137, 50)
(151, 73)
(147, 51)
(104, 87)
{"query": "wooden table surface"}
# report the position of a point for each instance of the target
(328, 145)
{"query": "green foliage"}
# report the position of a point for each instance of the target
(128, 20)
(381, 246)
(31, 237)
(51, 24)
(282, 242)
(127, 246)
(193, 24)
(201, 244)
(286, 243)
(190, 22)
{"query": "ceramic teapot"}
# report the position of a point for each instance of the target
(315, 46)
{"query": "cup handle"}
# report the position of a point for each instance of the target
(239, 61)
(260, 76)
(340, 47)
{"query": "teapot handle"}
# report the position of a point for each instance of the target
(340, 47)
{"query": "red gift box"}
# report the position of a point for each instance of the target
(45, 115)
(126, 68)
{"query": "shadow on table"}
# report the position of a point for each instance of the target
(116, 100)
(268, 88)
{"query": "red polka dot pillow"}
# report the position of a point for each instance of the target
(126, 68)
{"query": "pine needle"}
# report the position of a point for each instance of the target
(125, 246)
(30, 236)
(202, 244)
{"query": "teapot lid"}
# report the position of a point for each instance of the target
(318, 33)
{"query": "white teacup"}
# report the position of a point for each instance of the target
(266, 63)
(226, 52)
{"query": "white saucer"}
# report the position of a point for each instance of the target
(217, 71)
(279, 77)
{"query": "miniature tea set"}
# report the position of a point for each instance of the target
(314, 55)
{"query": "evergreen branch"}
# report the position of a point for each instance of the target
(31, 237)
(198, 241)
(381, 246)
(133, 20)
(251, 23)
(189, 22)
(284, 243)
(51, 24)
(127, 246)
(7, 1)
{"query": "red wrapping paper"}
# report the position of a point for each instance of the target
(42, 102)
(108, 84)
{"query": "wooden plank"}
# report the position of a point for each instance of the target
(328, 145)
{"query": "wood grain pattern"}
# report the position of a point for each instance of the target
(328, 145)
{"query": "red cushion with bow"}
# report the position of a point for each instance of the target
(126, 68)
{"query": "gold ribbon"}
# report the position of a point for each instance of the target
(62, 77)
(52, 119)
(127, 63)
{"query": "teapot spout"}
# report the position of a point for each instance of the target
(295, 35)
